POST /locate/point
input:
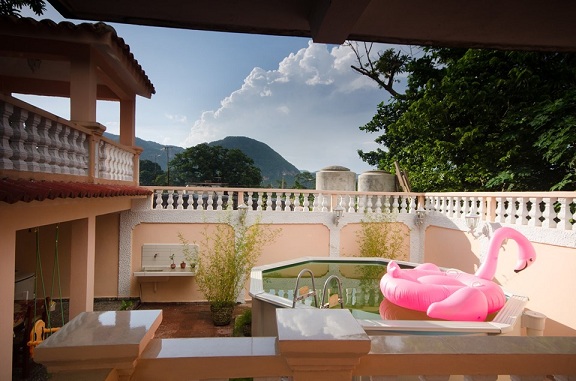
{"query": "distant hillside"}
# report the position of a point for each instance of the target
(274, 167)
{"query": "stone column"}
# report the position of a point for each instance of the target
(82, 262)
(321, 344)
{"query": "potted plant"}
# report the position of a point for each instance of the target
(182, 265)
(172, 265)
(228, 254)
(190, 254)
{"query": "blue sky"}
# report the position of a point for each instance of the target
(300, 98)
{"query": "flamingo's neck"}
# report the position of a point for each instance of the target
(487, 269)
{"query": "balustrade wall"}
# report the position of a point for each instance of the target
(554, 210)
(34, 143)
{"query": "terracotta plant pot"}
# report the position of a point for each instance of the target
(183, 265)
(173, 266)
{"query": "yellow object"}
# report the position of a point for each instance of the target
(38, 334)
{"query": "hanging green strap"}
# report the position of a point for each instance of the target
(39, 273)
(56, 275)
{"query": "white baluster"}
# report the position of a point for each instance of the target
(6, 132)
(179, 199)
(351, 204)
(361, 203)
(522, 211)
(412, 204)
(437, 204)
(259, 201)
(306, 203)
(64, 149)
(325, 204)
(128, 166)
(158, 196)
(386, 209)
(208, 204)
(250, 201)
(18, 139)
(510, 211)
(54, 147)
(115, 163)
(564, 215)
(395, 203)
(71, 152)
(450, 206)
(500, 210)
(299, 201)
(549, 213)
(269, 201)
(219, 201)
(572, 204)
(534, 212)
(101, 168)
(402, 204)
(482, 208)
(315, 202)
(288, 202)
(369, 206)
(458, 202)
(43, 143)
(83, 153)
(169, 199)
(31, 143)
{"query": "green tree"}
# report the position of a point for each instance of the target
(204, 163)
(13, 7)
(304, 180)
(472, 120)
(151, 173)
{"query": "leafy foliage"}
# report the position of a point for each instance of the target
(381, 237)
(228, 254)
(472, 120)
(13, 7)
(204, 163)
(305, 180)
(151, 173)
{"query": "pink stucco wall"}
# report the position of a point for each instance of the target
(294, 241)
(549, 283)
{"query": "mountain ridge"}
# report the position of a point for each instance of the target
(274, 168)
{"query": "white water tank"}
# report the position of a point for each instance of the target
(336, 178)
(376, 181)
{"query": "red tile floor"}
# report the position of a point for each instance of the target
(180, 320)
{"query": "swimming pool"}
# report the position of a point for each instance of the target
(273, 286)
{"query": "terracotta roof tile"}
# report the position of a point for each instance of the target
(12, 191)
(98, 30)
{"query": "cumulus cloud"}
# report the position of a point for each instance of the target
(308, 110)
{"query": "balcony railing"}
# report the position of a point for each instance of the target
(37, 144)
(311, 344)
(554, 210)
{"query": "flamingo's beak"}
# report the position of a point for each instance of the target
(522, 265)
(517, 270)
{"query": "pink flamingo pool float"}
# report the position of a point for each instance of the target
(452, 294)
